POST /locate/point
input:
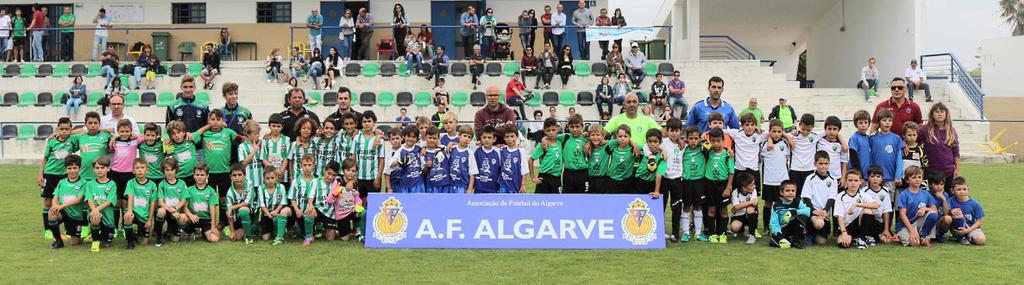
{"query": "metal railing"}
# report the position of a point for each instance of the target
(947, 66)
(54, 37)
(723, 47)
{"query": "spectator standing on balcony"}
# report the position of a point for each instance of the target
(635, 60)
(915, 80)
(225, 41)
(533, 27)
(583, 18)
(558, 22)
(67, 34)
(546, 21)
(363, 35)
(103, 25)
(476, 65)
(784, 113)
(525, 32)
(18, 36)
(487, 23)
(528, 66)
(469, 22)
(869, 79)
(603, 21)
(348, 31)
(211, 67)
(5, 34)
(399, 27)
(314, 22)
(619, 21)
(36, 26)
(676, 89)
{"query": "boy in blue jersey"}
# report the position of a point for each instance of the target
(435, 162)
(404, 166)
(487, 163)
(937, 188)
(514, 170)
(789, 219)
(917, 211)
(860, 143)
(967, 214)
(462, 166)
(887, 150)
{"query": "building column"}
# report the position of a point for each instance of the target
(692, 11)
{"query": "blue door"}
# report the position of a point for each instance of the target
(332, 12)
(570, 30)
(442, 13)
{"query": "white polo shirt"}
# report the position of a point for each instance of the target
(747, 148)
(738, 198)
(845, 200)
(108, 122)
(803, 151)
(776, 162)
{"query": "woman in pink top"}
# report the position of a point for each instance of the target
(348, 206)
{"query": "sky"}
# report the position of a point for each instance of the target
(959, 26)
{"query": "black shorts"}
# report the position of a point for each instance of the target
(140, 227)
(799, 177)
(121, 180)
(693, 192)
(72, 227)
(50, 182)
(741, 219)
(266, 224)
(348, 224)
(672, 191)
(620, 187)
(203, 225)
(770, 193)
(574, 181)
(643, 187)
(328, 223)
(365, 188)
(237, 221)
(713, 194)
(220, 181)
(823, 232)
(598, 184)
(19, 41)
(549, 184)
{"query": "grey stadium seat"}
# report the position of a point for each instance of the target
(353, 69)
(177, 70)
(9, 132)
(330, 99)
(43, 132)
(403, 99)
(147, 99)
(665, 69)
(599, 69)
(585, 98)
(550, 98)
(388, 69)
(367, 99)
(10, 99)
(78, 70)
(493, 69)
(45, 70)
(477, 99)
(44, 99)
(459, 69)
(12, 70)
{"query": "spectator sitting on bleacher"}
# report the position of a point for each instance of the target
(333, 64)
(869, 79)
(614, 61)
(635, 60)
(298, 62)
(915, 80)
(273, 64)
(316, 68)
(676, 88)
(659, 92)
(439, 64)
(115, 87)
(76, 95)
(603, 94)
(535, 128)
(440, 93)
(413, 55)
(152, 68)
(548, 62)
(565, 68)
(528, 67)
(476, 65)
(620, 89)
(142, 65)
(110, 62)
(211, 67)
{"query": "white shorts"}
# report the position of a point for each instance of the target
(904, 233)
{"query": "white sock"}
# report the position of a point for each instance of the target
(698, 222)
(686, 223)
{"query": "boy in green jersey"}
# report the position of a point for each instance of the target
(548, 178)
(248, 153)
(274, 148)
(719, 174)
(694, 160)
(240, 201)
(597, 166)
(652, 167)
(217, 141)
(620, 167)
(202, 203)
(183, 151)
(92, 144)
(52, 171)
(141, 194)
(273, 202)
(301, 195)
(67, 206)
(576, 166)
(101, 194)
(153, 152)
(171, 192)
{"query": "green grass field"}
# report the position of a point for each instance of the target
(28, 260)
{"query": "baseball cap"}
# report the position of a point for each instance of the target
(633, 45)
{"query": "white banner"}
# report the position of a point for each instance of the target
(616, 33)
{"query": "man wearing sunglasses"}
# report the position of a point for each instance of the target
(903, 110)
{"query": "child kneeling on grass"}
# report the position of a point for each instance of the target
(202, 213)
(967, 215)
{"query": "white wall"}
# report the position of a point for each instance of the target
(1002, 66)
(786, 58)
(886, 30)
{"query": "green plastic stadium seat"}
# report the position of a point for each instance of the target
(61, 70)
(535, 101)
(371, 69)
(316, 98)
(582, 69)
(27, 99)
(650, 68)
(26, 132)
(28, 70)
(194, 69)
(131, 99)
(567, 98)
(422, 99)
(511, 68)
(460, 99)
(386, 99)
(165, 99)
(402, 70)
(93, 70)
(126, 80)
(203, 97)
(56, 98)
(93, 99)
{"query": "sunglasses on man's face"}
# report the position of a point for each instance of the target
(894, 88)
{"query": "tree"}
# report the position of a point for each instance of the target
(1013, 12)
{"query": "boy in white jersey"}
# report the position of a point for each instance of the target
(819, 193)
(835, 146)
(883, 215)
(775, 154)
(804, 146)
(854, 213)
(744, 207)
(369, 155)
(747, 149)
(274, 148)
(248, 152)
(672, 183)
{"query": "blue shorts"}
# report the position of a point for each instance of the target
(418, 188)
(437, 189)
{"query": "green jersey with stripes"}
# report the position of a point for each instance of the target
(172, 194)
(320, 199)
(650, 166)
(253, 171)
(302, 189)
(274, 151)
(154, 156)
(217, 149)
(67, 191)
(368, 156)
(572, 151)
(272, 197)
(720, 165)
(90, 148)
(246, 195)
(202, 201)
(694, 159)
(56, 151)
(295, 153)
(143, 195)
(185, 153)
(326, 151)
